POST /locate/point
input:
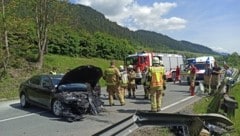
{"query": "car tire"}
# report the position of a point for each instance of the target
(23, 101)
(57, 107)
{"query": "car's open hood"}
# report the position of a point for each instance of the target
(83, 74)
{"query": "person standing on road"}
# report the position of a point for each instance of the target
(131, 82)
(157, 84)
(123, 81)
(112, 78)
(227, 77)
(177, 76)
(216, 72)
(208, 78)
(192, 77)
(146, 84)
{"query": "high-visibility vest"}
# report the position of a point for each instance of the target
(110, 76)
(156, 76)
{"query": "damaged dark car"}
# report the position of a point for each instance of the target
(70, 95)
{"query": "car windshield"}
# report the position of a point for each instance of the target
(56, 79)
(200, 66)
(132, 60)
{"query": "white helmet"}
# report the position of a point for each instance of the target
(130, 66)
(121, 67)
(161, 62)
(156, 60)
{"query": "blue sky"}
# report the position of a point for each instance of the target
(213, 23)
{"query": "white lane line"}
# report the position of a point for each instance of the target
(164, 108)
(171, 105)
(17, 117)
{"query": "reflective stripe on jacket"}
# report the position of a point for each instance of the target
(156, 76)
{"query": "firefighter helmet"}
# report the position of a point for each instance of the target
(130, 66)
(121, 67)
(156, 60)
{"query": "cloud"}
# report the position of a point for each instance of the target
(129, 13)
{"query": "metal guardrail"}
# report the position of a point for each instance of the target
(229, 105)
(222, 100)
(188, 125)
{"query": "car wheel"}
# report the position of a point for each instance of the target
(57, 108)
(23, 101)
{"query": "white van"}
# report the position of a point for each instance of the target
(201, 64)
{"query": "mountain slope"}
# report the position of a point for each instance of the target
(95, 21)
(78, 30)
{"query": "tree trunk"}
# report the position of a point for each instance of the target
(42, 24)
(6, 52)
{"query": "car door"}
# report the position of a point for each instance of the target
(45, 91)
(32, 87)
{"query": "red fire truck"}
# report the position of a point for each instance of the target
(141, 61)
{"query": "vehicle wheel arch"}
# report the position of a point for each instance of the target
(24, 100)
(52, 107)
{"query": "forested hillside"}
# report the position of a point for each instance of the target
(75, 30)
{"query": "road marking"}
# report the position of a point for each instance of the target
(17, 117)
(171, 105)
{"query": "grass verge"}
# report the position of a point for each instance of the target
(10, 84)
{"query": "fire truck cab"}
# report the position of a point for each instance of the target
(140, 61)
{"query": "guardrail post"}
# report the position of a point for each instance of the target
(229, 105)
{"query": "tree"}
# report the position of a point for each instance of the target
(41, 11)
(6, 54)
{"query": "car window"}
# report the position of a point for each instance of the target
(35, 80)
(46, 81)
(56, 79)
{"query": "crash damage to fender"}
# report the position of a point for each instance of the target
(179, 124)
(76, 93)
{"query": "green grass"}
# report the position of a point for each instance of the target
(10, 84)
(202, 106)
(236, 93)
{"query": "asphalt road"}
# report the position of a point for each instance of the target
(34, 121)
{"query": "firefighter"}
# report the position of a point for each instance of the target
(216, 72)
(124, 80)
(145, 82)
(208, 78)
(112, 78)
(157, 78)
(227, 78)
(131, 82)
(177, 76)
(192, 77)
